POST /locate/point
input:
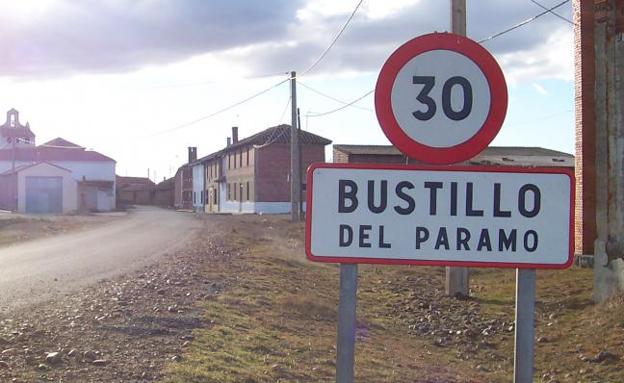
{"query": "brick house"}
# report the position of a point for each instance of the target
(251, 175)
(163, 193)
(183, 183)
(134, 190)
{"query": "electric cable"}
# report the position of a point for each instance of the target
(222, 110)
(344, 27)
(331, 97)
(523, 23)
(552, 12)
(342, 107)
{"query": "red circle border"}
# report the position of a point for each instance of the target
(498, 98)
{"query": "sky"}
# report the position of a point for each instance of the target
(128, 77)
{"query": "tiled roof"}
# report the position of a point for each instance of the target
(46, 153)
(27, 166)
(277, 134)
(494, 155)
(127, 183)
(61, 142)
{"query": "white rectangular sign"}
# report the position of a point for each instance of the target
(454, 216)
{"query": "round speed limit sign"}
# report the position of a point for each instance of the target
(441, 98)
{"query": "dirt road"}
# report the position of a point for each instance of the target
(38, 270)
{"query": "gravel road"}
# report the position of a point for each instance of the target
(42, 269)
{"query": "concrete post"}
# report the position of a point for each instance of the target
(609, 245)
(457, 281)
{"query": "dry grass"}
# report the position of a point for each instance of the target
(276, 320)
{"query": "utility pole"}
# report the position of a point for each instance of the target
(456, 283)
(609, 92)
(295, 169)
(299, 162)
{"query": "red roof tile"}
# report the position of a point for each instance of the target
(45, 153)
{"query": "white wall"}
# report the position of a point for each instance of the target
(7, 165)
(249, 207)
(90, 170)
(198, 186)
(70, 186)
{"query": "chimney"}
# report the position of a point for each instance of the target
(229, 141)
(192, 154)
(234, 134)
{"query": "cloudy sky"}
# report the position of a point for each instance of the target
(126, 77)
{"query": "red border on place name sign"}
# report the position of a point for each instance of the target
(473, 51)
(488, 169)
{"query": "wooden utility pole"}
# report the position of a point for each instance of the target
(457, 277)
(295, 169)
(609, 90)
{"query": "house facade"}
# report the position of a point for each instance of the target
(183, 184)
(134, 190)
(252, 175)
(35, 177)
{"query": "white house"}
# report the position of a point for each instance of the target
(35, 178)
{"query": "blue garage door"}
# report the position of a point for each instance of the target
(44, 195)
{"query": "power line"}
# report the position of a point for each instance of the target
(344, 27)
(342, 107)
(222, 109)
(552, 12)
(332, 98)
(274, 136)
(523, 23)
(547, 10)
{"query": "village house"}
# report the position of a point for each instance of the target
(183, 183)
(252, 175)
(56, 177)
(134, 190)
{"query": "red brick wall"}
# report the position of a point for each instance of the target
(273, 169)
(585, 128)
(183, 183)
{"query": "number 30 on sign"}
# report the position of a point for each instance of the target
(441, 98)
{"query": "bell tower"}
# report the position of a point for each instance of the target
(15, 135)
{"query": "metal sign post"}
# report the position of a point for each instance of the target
(525, 326)
(346, 323)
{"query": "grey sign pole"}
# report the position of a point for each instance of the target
(346, 323)
(525, 326)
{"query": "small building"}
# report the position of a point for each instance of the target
(493, 155)
(252, 175)
(163, 193)
(39, 188)
(134, 190)
(34, 177)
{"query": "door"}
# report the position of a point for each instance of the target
(44, 195)
(210, 200)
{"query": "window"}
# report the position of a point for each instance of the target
(235, 191)
(241, 158)
(247, 190)
(229, 161)
(229, 192)
(248, 158)
(214, 197)
(194, 197)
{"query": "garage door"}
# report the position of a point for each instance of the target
(44, 195)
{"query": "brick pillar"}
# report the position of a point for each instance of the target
(585, 127)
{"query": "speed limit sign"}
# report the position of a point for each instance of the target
(441, 98)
